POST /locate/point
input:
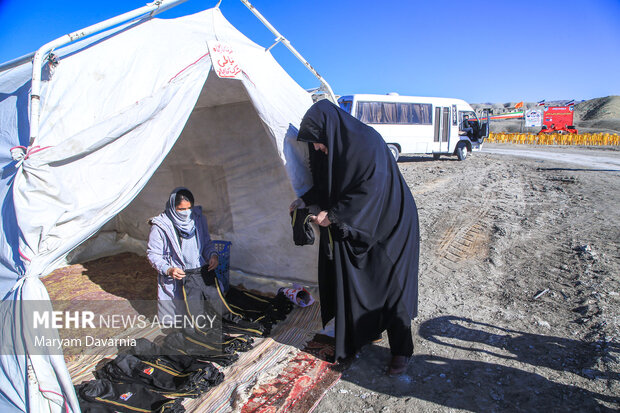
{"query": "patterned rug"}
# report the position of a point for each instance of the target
(124, 276)
(302, 384)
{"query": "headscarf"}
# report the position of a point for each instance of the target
(185, 226)
(309, 130)
(359, 173)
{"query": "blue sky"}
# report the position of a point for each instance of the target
(480, 51)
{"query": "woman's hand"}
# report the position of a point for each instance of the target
(213, 261)
(298, 203)
(176, 273)
(321, 219)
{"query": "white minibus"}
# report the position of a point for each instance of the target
(415, 124)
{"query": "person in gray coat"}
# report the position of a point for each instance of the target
(179, 241)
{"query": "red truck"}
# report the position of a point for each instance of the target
(558, 119)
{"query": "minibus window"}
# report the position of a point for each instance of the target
(395, 113)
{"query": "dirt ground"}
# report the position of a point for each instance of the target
(519, 291)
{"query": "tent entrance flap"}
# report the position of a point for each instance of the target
(227, 158)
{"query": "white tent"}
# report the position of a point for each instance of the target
(125, 117)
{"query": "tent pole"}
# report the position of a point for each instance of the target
(153, 8)
(16, 62)
(280, 38)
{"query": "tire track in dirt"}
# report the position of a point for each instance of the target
(496, 233)
(463, 240)
(453, 241)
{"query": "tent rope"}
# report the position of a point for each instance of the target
(64, 399)
(21, 254)
(21, 153)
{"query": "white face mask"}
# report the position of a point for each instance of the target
(184, 215)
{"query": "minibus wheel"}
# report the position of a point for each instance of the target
(436, 156)
(394, 150)
(461, 151)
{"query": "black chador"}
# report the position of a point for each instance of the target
(368, 260)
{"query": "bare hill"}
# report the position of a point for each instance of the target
(599, 108)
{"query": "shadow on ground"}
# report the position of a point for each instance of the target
(556, 353)
(471, 382)
(428, 158)
(578, 169)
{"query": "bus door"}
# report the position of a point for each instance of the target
(441, 138)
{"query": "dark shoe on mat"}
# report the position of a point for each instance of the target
(398, 365)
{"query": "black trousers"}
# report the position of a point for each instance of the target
(200, 294)
(399, 334)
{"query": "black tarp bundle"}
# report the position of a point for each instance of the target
(150, 376)
(201, 347)
(303, 234)
(256, 308)
(105, 396)
(374, 237)
(172, 376)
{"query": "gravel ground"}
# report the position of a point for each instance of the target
(519, 291)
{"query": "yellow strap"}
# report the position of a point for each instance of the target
(162, 409)
(234, 339)
(201, 344)
(255, 297)
(179, 350)
(178, 394)
(245, 309)
(185, 300)
(294, 216)
(248, 329)
(189, 312)
(206, 346)
(136, 409)
(219, 291)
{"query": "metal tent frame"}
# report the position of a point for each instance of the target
(150, 9)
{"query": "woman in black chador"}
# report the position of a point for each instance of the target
(368, 259)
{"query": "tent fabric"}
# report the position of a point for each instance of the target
(126, 117)
(14, 130)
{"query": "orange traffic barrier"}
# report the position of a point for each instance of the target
(582, 139)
